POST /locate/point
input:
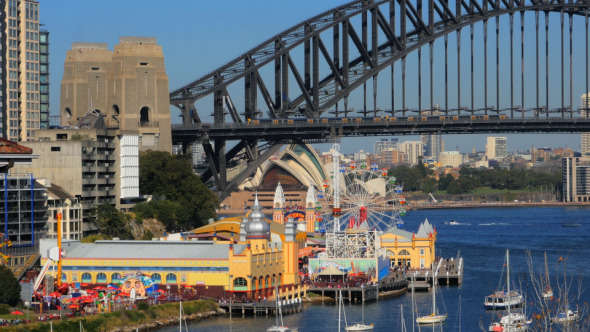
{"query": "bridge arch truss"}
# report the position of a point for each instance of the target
(298, 74)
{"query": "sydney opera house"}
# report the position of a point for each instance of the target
(296, 168)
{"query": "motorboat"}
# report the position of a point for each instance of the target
(452, 223)
(565, 317)
(513, 322)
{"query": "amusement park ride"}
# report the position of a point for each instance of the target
(361, 198)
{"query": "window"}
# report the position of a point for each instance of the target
(240, 284)
(101, 278)
(86, 277)
(171, 278)
(55, 148)
(422, 251)
(157, 278)
(115, 278)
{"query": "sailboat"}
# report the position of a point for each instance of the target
(360, 326)
(180, 319)
(512, 321)
(548, 292)
(277, 327)
(434, 317)
(501, 299)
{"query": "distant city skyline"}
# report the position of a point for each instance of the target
(218, 35)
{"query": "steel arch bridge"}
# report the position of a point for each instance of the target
(313, 80)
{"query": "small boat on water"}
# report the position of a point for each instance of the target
(565, 317)
(548, 292)
(571, 224)
(359, 327)
(434, 317)
(511, 321)
(452, 223)
(501, 300)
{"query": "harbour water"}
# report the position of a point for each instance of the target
(482, 236)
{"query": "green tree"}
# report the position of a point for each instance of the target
(112, 223)
(9, 287)
(170, 177)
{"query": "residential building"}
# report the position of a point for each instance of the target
(20, 49)
(496, 147)
(391, 157)
(60, 201)
(451, 158)
(128, 87)
(576, 179)
(411, 150)
(22, 209)
(433, 145)
(44, 78)
(384, 144)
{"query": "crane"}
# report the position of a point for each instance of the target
(433, 199)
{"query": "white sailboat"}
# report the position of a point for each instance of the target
(434, 317)
(181, 319)
(360, 326)
(501, 299)
(548, 292)
(279, 315)
(512, 321)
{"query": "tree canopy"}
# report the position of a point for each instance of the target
(181, 200)
(112, 223)
(9, 287)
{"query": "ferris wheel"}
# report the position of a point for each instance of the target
(368, 198)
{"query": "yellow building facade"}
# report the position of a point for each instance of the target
(252, 266)
(413, 250)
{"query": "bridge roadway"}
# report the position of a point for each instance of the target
(324, 129)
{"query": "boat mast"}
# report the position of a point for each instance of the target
(339, 308)
(508, 278)
(433, 294)
(546, 272)
(180, 319)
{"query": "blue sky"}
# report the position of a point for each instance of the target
(200, 36)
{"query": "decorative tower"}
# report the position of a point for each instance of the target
(279, 205)
(310, 203)
(257, 229)
(290, 254)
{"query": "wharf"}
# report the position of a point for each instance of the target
(358, 293)
(447, 271)
(262, 307)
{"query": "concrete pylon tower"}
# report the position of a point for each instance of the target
(310, 202)
(278, 205)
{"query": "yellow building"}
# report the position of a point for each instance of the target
(251, 266)
(414, 250)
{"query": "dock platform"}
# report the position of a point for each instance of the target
(449, 272)
(266, 308)
(358, 293)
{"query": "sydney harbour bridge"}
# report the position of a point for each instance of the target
(408, 66)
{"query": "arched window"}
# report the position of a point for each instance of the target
(254, 283)
(404, 253)
(116, 278)
(157, 278)
(240, 284)
(64, 278)
(171, 278)
(86, 277)
(390, 254)
(101, 278)
(144, 117)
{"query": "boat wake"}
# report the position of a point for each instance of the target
(495, 224)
